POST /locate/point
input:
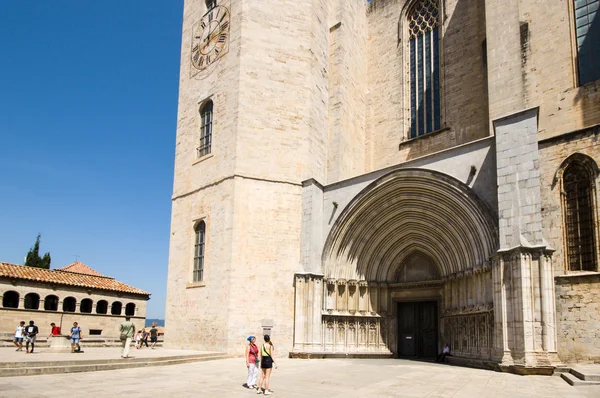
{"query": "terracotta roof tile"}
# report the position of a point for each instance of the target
(89, 279)
(80, 268)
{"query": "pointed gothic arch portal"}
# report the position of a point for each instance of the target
(412, 236)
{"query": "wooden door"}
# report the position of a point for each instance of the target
(417, 329)
(407, 329)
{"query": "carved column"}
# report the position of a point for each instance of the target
(342, 296)
(300, 321)
(501, 351)
(352, 296)
(548, 304)
(317, 330)
(383, 299)
(363, 296)
(373, 296)
(330, 295)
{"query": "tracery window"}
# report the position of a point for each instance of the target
(206, 118)
(424, 68)
(579, 218)
(587, 33)
(199, 251)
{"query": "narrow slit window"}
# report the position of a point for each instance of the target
(424, 68)
(199, 248)
(206, 119)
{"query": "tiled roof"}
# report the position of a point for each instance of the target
(80, 268)
(70, 275)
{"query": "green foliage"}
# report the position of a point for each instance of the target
(33, 258)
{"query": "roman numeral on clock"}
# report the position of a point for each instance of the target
(222, 38)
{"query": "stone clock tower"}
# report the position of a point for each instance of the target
(251, 127)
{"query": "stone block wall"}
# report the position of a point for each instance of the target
(553, 152)
(525, 71)
(199, 309)
(347, 89)
(463, 82)
(578, 318)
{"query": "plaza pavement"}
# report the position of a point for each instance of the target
(295, 378)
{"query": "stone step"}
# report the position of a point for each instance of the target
(44, 368)
(37, 364)
(576, 381)
(585, 374)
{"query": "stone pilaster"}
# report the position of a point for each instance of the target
(523, 284)
(312, 221)
(307, 320)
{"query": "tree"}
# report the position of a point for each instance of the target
(33, 258)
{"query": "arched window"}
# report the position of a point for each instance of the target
(199, 247)
(116, 308)
(10, 300)
(32, 301)
(102, 307)
(579, 218)
(51, 303)
(206, 118)
(130, 309)
(86, 306)
(69, 304)
(425, 107)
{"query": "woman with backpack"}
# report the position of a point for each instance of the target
(266, 365)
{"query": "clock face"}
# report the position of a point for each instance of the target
(210, 37)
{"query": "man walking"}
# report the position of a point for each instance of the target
(18, 340)
(127, 330)
(31, 332)
(153, 335)
(75, 336)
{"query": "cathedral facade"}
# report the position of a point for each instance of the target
(383, 177)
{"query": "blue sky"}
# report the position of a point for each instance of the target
(88, 110)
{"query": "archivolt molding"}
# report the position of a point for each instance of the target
(405, 211)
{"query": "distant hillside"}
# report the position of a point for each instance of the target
(159, 322)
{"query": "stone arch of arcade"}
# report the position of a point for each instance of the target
(413, 235)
